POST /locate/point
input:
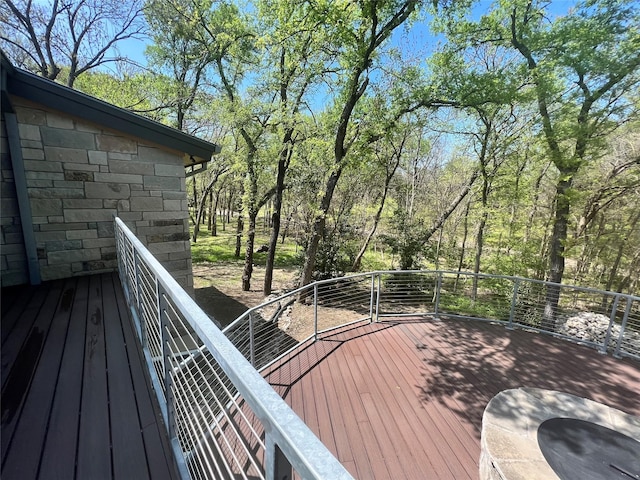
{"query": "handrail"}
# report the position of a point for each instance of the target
(173, 315)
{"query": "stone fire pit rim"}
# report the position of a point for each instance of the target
(509, 443)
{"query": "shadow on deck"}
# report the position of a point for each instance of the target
(76, 400)
(405, 399)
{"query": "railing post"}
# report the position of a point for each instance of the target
(372, 297)
(378, 296)
(276, 467)
(315, 311)
(118, 238)
(612, 319)
(514, 299)
(623, 325)
(438, 288)
(166, 358)
(252, 342)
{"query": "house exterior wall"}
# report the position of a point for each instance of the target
(80, 175)
(13, 258)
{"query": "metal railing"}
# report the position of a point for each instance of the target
(224, 420)
(607, 321)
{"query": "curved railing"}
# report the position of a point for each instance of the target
(224, 420)
(604, 320)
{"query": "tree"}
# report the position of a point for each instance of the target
(177, 51)
(361, 30)
(139, 92)
(389, 156)
(295, 62)
(48, 37)
(582, 67)
(219, 169)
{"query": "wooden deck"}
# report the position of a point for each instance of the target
(76, 402)
(394, 400)
(405, 400)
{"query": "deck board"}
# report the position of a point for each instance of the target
(76, 403)
(65, 411)
(35, 411)
(127, 451)
(94, 427)
(405, 398)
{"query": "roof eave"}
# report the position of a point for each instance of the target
(46, 92)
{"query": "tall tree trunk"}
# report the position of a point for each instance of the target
(199, 216)
(211, 207)
(248, 255)
(285, 230)
(283, 165)
(214, 215)
(479, 247)
(616, 263)
(376, 219)
(239, 228)
(465, 234)
(556, 249)
(318, 227)
(201, 208)
(252, 201)
(486, 185)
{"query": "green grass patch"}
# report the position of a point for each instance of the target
(221, 248)
(487, 306)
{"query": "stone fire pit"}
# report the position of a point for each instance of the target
(509, 445)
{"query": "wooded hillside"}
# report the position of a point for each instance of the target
(496, 137)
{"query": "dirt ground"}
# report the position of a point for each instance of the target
(218, 288)
(218, 291)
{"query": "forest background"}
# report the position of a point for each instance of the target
(495, 137)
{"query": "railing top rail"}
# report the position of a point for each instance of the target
(505, 277)
(291, 293)
(308, 456)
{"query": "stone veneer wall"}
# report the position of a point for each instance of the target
(79, 175)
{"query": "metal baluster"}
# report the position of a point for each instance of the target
(252, 342)
(378, 296)
(612, 320)
(627, 311)
(514, 299)
(160, 306)
(141, 323)
(372, 300)
(315, 311)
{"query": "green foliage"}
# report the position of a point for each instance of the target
(408, 241)
(483, 307)
(335, 254)
(326, 91)
(138, 92)
(220, 249)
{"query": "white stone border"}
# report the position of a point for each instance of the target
(509, 444)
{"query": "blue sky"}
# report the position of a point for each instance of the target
(418, 42)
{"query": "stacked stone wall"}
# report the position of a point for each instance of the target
(80, 175)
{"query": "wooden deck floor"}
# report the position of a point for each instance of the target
(75, 400)
(405, 400)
